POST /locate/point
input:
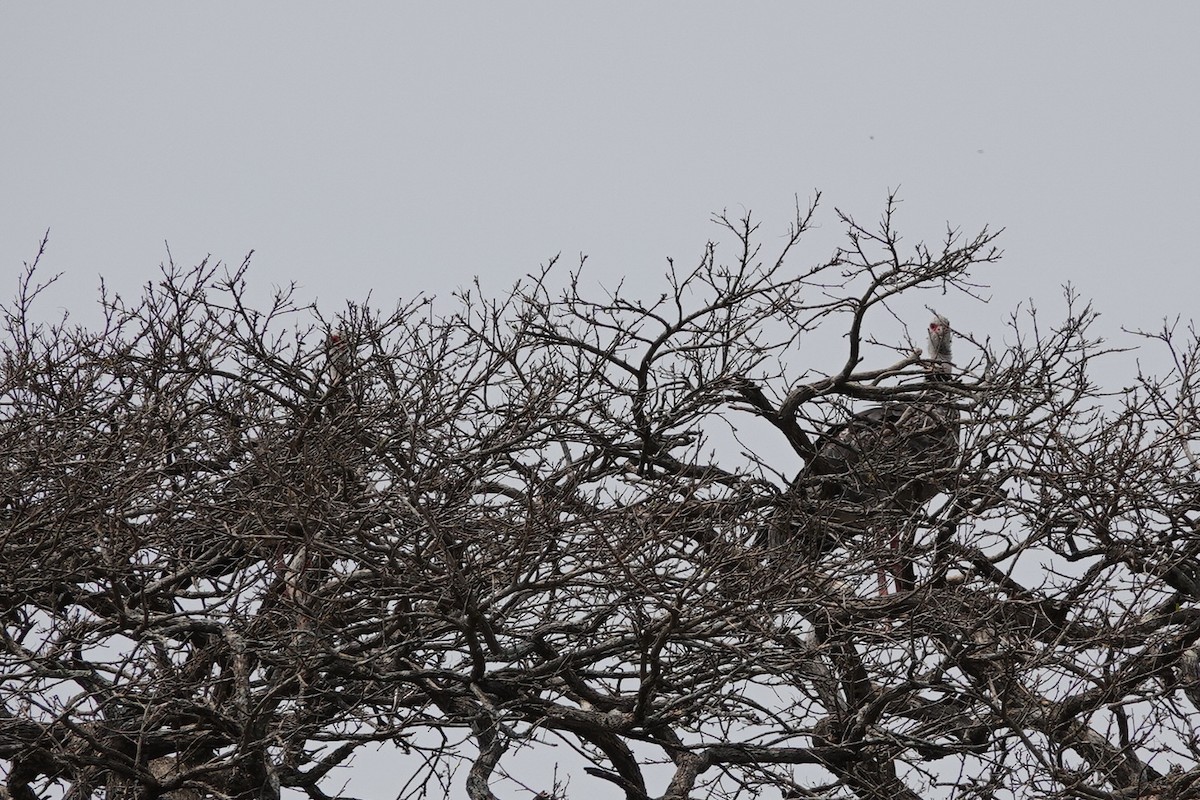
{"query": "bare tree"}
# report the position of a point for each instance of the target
(241, 545)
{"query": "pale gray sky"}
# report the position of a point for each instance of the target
(404, 148)
(398, 148)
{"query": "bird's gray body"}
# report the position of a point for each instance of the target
(875, 469)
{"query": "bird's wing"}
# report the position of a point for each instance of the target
(846, 441)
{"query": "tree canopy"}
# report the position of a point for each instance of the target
(242, 544)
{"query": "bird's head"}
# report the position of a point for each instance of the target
(939, 339)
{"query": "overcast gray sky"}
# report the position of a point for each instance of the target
(404, 148)
(400, 148)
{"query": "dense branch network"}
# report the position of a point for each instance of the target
(242, 546)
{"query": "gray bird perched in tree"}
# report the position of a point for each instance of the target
(339, 368)
(338, 357)
(873, 471)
